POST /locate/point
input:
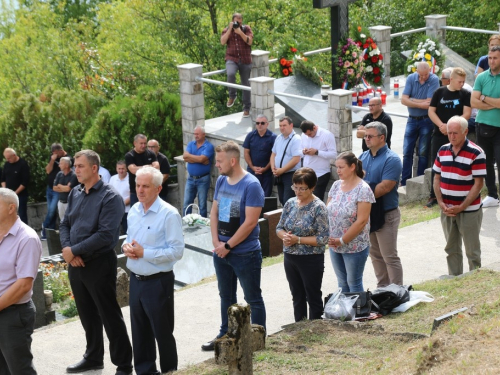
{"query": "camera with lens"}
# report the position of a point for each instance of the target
(236, 25)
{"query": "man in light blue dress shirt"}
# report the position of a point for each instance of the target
(154, 244)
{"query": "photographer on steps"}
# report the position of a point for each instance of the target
(238, 38)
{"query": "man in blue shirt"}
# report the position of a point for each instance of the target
(285, 158)
(257, 147)
(382, 168)
(420, 87)
(199, 155)
(238, 201)
(154, 244)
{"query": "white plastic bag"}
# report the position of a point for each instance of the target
(416, 296)
(340, 307)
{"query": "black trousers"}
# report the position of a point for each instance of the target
(152, 317)
(94, 288)
(16, 326)
(491, 148)
(285, 191)
(321, 185)
(437, 140)
(305, 276)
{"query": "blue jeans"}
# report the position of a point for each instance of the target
(421, 130)
(349, 268)
(51, 217)
(199, 186)
(246, 268)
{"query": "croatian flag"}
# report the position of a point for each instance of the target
(345, 85)
(365, 82)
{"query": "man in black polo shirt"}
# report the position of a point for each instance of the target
(16, 176)
(64, 182)
(376, 114)
(154, 146)
(137, 158)
(89, 233)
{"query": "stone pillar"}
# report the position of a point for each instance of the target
(498, 26)
(382, 36)
(434, 22)
(340, 118)
(262, 102)
(260, 64)
(192, 100)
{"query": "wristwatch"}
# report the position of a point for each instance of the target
(317, 152)
(482, 97)
(227, 247)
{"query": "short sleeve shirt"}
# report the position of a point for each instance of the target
(132, 157)
(293, 149)
(207, 149)
(231, 202)
(488, 85)
(238, 50)
(416, 90)
(164, 168)
(449, 103)
(385, 119)
(62, 179)
(260, 148)
(342, 213)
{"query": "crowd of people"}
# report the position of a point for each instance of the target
(360, 218)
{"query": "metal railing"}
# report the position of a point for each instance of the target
(296, 96)
(480, 31)
(364, 109)
(408, 32)
(222, 83)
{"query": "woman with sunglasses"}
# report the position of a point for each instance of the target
(303, 227)
(349, 204)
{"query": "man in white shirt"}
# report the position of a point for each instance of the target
(120, 182)
(319, 148)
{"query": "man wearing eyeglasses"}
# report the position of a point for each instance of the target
(258, 146)
(382, 168)
(154, 146)
(376, 114)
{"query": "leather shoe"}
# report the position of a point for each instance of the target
(84, 365)
(209, 346)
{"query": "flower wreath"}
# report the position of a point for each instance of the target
(429, 51)
(373, 59)
(290, 56)
(349, 66)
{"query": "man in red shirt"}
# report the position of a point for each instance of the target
(238, 38)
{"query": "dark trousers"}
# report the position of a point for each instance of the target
(133, 199)
(321, 185)
(23, 208)
(285, 191)
(94, 288)
(438, 140)
(152, 317)
(266, 181)
(124, 223)
(305, 276)
(16, 326)
(491, 148)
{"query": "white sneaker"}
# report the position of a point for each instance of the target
(490, 202)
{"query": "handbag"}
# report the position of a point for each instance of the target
(362, 306)
(391, 296)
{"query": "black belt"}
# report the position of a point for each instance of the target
(150, 277)
(198, 177)
(16, 306)
(418, 117)
(392, 209)
(63, 202)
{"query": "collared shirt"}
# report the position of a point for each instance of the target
(207, 149)
(122, 187)
(414, 89)
(489, 85)
(260, 148)
(458, 173)
(385, 165)
(293, 149)
(139, 160)
(324, 142)
(238, 50)
(15, 175)
(104, 173)
(159, 232)
(92, 221)
(385, 119)
(65, 179)
(482, 63)
(55, 169)
(20, 253)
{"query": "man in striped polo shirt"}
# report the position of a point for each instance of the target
(460, 169)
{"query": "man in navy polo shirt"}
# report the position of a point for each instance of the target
(199, 155)
(258, 146)
(420, 87)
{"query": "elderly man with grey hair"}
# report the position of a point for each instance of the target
(417, 94)
(458, 195)
(382, 168)
(257, 148)
(154, 244)
(65, 181)
(20, 250)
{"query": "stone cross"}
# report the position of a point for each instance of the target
(236, 347)
(339, 18)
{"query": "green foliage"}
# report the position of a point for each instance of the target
(154, 112)
(69, 310)
(31, 124)
(55, 279)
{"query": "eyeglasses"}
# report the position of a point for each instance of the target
(373, 105)
(301, 189)
(260, 123)
(371, 136)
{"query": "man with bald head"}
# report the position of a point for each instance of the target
(376, 114)
(16, 176)
(420, 87)
(154, 145)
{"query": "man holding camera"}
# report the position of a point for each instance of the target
(238, 38)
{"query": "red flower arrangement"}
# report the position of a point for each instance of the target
(374, 65)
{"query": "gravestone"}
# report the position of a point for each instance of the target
(275, 243)
(236, 347)
(122, 287)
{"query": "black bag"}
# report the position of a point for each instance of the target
(486, 131)
(363, 305)
(390, 296)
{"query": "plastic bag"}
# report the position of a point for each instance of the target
(340, 307)
(416, 296)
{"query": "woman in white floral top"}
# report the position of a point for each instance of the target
(303, 227)
(349, 204)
